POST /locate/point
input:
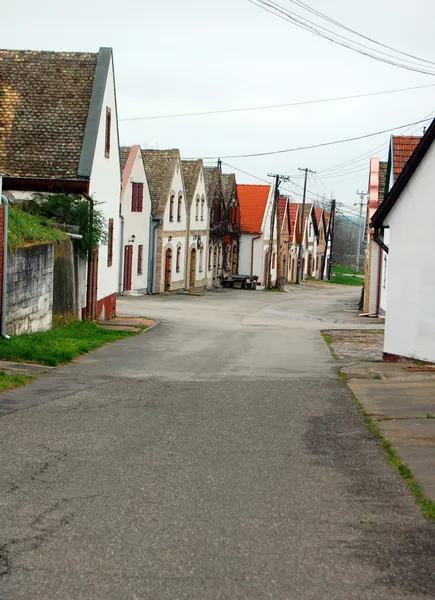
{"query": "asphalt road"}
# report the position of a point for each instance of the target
(216, 457)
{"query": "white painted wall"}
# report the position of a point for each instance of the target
(105, 187)
(177, 189)
(374, 277)
(199, 226)
(138, 224)
(384, 276)
(410, 321)
(245, 253)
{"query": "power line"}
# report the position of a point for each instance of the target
(313, 146)
(308, 25)
(271, 106)
(342, 26)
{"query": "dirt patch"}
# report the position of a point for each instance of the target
(356, 343)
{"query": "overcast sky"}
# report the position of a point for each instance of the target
(173, 57)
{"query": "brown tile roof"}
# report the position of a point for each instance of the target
(160, 167)
(383, 166)
(124, 151)
(191, 171)
(403, 147)
(229, 186)
(293, 216)
(213, 183)
(44, 104)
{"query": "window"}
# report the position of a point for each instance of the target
(110, 244)
(201, 254)
(310, 230)
(140, 260)
(171, 208)
(197, 209)
(273, 260)
(178, 259)
(108, 130)
(137, 197)
(209, 258)
(202, 209)
(180, 202)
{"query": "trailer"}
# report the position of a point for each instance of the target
(243, 282)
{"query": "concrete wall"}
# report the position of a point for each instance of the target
(105, 187)
(30, 289)
(410, 319)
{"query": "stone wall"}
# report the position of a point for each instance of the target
(30, 289)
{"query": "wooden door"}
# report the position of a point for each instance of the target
(168, 269)
(266, 268)
(193, 268)
(128, 267)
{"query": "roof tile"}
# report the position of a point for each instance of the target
(403, 147)
(253, 201)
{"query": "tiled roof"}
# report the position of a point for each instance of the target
(213, 185)
(318, 212)
(382, 180)
(44, 104)
(293, 216)
(403, 147)
(253, 201)
(228, 186)
(159, 168)
(124, 151)
(191, 171)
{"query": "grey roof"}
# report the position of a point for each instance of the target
(44, 105)
(160, 167)
(191, 171)
(229, 187)
(213, 184)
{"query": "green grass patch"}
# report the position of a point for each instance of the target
(328, 339)
(8, 382)
(273, 290)
(25, 229)
(60, 345)
(343, 270)
(426, 505)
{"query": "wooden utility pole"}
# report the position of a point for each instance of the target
(275, 217)
(301, 224)
(331, 231)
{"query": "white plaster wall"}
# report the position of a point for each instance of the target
(258, 258)
(384, 275)
(200, 227)
(410, 321)
(245, 253)
(138, 224)
(374, 277)
(105, 187)
(177, 188)
(265, 228)
(175, 277)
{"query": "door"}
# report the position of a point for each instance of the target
(266, 268)
(168, 269)
(128, 267)
(193, 268)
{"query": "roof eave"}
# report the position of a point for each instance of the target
(41, 184)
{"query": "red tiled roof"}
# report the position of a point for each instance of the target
(293, 215)
(403, 147)
(318, 212)
(252, 200)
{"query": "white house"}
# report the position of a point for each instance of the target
(308, 239)
(197, 272)
(135, 213)
(256, 203)
(72, 146)
(168, 205)
(407, 214)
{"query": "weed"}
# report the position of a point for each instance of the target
(8, 382)
(26, 229)
(377, 376)
(328, 339)
(430, 416)
(60, 345)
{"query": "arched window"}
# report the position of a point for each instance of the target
(177, 267)
(202, 209)
(201, 257)
(197, 210)
(171, 208)
(180, 201)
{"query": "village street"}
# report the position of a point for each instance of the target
(217, 456)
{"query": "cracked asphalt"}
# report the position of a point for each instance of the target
(216, 457)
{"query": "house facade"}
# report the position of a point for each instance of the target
(256, 204)
(410, 320)
(135, 213)
(232, 218)
(72, 147)
(284, 250)
(198, 268)
(167, 268)
(321, 243)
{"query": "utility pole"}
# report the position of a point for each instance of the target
(275, 215)
(361, 204)
(330, 237)
(301, 224)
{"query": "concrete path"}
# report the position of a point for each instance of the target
(216, 457)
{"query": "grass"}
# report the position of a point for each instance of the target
(426, 505)
(60, 345)
(377, 376)
(8, 382)
(344, 276)
(25, 229)
(430, 416)
(344, 270)
(328, 339)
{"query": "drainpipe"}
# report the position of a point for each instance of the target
(382, 246)
(90, 257)
(252, 253)
(121, 256)
(5, 203)
(154, 223)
